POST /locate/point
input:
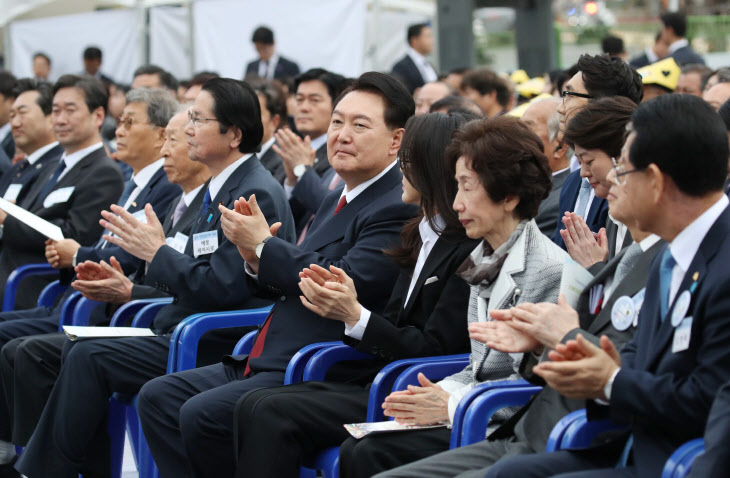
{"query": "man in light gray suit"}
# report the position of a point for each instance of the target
(540, 328)
(542, 118)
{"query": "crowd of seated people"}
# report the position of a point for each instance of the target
(577, 244)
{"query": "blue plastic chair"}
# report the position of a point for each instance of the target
(580, 432)
(394, 377)
(50, 293)
(476, 408)
(679, 464)
(556, 435)
(13, 282)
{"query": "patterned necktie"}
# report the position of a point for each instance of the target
(206, 205)
(665, 280)
(627, 263)
(583, 196)
(50, 184)
(179, 211)
(341, 204)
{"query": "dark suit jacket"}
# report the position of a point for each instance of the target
(352, 240)
(534, 422)
(213, 282)
(716, 459)
(549, 210)
(311, 189)
(686, 55)
(285, 68)
(612, 237)
(433, 322)
(159, 192)
(274, 164)
(640, 61)
(5, 163)
(8, 146)
(665, 397)
(97, 182)
(597, 214)
(407, 72)
(25, 174)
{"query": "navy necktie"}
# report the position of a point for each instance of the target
(50, 184)
(128, 189)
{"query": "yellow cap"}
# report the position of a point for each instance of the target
(519, 76)
(520, 110)
(663, 73)
(531, 87)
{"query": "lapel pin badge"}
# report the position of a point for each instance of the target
(210, 217)
(134, 204)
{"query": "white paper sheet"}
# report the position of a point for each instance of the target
(359, 430)
(75, 332)
(28, 218)
(575, 279)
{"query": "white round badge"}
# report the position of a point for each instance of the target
(623, 313)
(681, 307)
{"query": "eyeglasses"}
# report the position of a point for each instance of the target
(128, 122)
(197, 119)
(565, 93)
(618, 169)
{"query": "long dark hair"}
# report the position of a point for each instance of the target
(424, 165)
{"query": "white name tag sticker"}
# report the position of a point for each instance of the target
(58, 196)
(205, 243)
(140, 216)
(12, 192)
(682, 334)
(178, 242)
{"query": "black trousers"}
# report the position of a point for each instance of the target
(373, 454)
(29, 367)
(14, 324)
(71, 436)
(279, 428)
(187, 418)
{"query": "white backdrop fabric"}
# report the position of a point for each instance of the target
(64, 39)
(169, 40)
(326, 33)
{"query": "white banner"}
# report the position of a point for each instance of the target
(326, 33)
(64, 39)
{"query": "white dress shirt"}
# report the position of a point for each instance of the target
(424, 67)
(561, 171)
(678, 44)
(36, 155)
(428, 239)
(217, 182)
(189, 197)
(72, 159)
(266, 147)
(141, 179)
(267, 68)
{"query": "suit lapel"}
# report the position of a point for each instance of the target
(596, 205)
(332, 227)
(440, 251)
(142, 199)
(514, 264)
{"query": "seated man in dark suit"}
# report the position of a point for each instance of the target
(414, 70)
(32, 129)
(309, 177)
(30, 365)
(270, 65)
(674, 31)
(187, 416)
(7, 98)
(542, 119)
(597, 76)
(71, 195)
(662, 383)
(223, 131)
(539, 328)
(273, 116)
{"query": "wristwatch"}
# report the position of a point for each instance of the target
(260, 247)
(299, 170)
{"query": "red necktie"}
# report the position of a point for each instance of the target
(341, 204)
(258, 345)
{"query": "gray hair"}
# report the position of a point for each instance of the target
(553, 126)
(161, 105)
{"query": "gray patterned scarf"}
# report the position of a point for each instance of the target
(482, 266)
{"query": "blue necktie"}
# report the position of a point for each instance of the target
(128, 189)
(50, 184)
(206, 204)
(583, 195)
(665, 280)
